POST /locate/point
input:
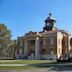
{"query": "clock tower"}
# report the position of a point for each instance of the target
(49, 23)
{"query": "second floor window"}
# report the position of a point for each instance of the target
(32, 42)
(52, 41)
(20, 43)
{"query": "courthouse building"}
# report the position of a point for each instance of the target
(51, 43)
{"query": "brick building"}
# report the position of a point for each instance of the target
(51, 43)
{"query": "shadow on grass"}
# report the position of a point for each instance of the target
(54, 66)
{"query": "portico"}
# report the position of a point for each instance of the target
(34, 48)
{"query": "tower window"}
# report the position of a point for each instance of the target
(47, 24)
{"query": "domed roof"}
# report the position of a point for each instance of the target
(50, 18)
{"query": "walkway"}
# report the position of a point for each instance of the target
(62, 64)
(13, 64)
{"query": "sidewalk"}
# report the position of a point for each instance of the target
(13, 64)
(36, 64)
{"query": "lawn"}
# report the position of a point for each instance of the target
(20, 67)
(32, 64)
(23, 61)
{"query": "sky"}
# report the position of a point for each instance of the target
(22, 16)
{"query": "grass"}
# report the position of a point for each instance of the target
(24, 61)
(30, 62)
(19, 67)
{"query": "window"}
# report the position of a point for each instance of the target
(71, 42)
(43, 51)
(41, 42)
(32, 42)
(44, 42)
(20, 43)
(47, 24)
(20, 51)
(52, 41)
(52, 52)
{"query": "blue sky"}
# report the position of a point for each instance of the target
(22, 16)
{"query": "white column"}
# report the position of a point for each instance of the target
(26, 48)
(69, 47)
(37, 54)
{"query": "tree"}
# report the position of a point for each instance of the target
(5, 41)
